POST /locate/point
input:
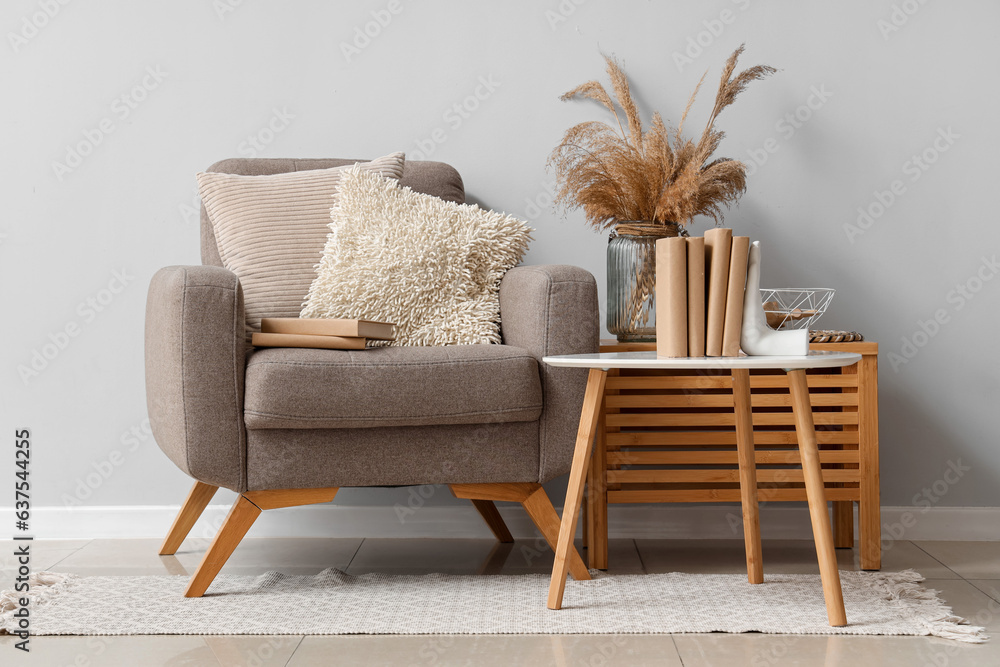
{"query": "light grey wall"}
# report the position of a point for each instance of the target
(79, 244)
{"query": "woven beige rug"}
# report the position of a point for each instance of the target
(331, 602)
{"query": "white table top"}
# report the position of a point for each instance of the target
(649, 359)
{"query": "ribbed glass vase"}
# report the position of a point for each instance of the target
(632, 279)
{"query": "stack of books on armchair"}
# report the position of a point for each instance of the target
(329, 334)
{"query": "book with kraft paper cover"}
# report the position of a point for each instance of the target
(734, 297)
(307, 340)
(671, 297)
(718, 247)
(696, 295)
(327, 327)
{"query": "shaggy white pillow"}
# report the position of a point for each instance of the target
(430, 266)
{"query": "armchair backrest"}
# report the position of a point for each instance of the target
(433, 178)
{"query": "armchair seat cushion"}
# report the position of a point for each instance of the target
(296, 388)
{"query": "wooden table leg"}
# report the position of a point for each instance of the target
(597, 500)
(748, 475)
(869, 512)
(577, 477)
(816, 495)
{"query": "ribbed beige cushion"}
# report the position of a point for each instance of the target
(271, 230)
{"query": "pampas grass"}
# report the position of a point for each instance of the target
(621, 172)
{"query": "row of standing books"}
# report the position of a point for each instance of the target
(327, 334)
(700, 283)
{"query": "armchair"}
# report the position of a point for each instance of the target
(287, 426)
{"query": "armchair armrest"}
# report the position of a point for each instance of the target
(195, 365)
(553, 309)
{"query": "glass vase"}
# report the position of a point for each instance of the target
(631, 314)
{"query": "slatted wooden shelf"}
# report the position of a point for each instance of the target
(669, 436)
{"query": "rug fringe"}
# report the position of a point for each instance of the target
(42, 588)
(924, 606)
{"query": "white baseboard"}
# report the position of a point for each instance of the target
(625, 521)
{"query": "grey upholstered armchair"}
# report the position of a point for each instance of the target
(288, 426)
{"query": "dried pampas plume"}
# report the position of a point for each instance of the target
(623, 173)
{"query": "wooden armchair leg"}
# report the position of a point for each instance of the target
(538, 506)
(197, 500)
(237, 523)
(492, 517)
(540, 509)
(244, 512)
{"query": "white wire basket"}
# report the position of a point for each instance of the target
(795, 308)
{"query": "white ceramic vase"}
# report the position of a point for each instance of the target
(757, 338)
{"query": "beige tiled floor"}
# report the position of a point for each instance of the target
(966, 573)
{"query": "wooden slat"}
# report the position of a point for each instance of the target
(725, 419)
(723, 381)
(863, 347)
(818, 400)
(670, 401)
(771, 457)
(724, 400)
(696, 438)
(720, 495)
(716, 476)
(670, 382)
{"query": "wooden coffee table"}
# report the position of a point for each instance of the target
(796, 368)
